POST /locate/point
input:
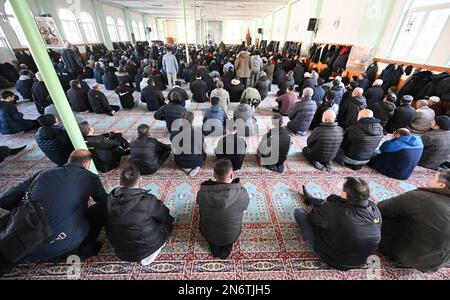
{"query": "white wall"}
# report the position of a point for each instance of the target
(302, 11)
(234, 32)
(279, 22)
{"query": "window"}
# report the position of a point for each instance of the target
(421, 30)
(121, 29)
(88, 27)
(142, 31)
(137, 34)
(70, 26)
(15, 25)
(112, 29)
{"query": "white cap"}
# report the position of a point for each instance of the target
(435, 99)
(307, 75)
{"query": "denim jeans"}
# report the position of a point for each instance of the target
(306, 228)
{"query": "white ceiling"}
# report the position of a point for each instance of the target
(213, 10)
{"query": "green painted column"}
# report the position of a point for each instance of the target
(101, 22)
(129, 24)
(188, 59)
(45, 66)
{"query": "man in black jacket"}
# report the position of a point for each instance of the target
(342, 230)
(125, 92)
(99, 102)
(360, 141)
(375, 94)
(274, 147)
(178, 90)
(222, 205)
(41, 97)
(53, 140)
(152, 96)
(232, 147)
(199, 89)
(11, 120)
(171, 112)
(324, 142)
(385, 110)
(416, 227)
(107, 149)
(78, 98)
(64, 193)
(403, 115)
(348, 113)
(147, 153)
(136, 222)
(72, 60)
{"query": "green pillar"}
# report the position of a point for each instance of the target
(101, 21)
(188, 59)
(45, 66)
(129, 24)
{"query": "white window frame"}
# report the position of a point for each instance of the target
(122, 30)
(87, 24)
(112, 29)
(15, 25)
(141, 29)
(137, 34)
(408, 56)
(70, 26)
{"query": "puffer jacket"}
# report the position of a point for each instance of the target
(384, 111)
(214, 121)
(224, 97)
(399, 157)
(11, 120)
(170, 113)
(422, 120)
(403, 116)
(110, 81)
(99, 102)
(196, 152)
(153, 97)
(137, 223)
(263, 86)
(245, 113)
(236, 92)
(125, 93)
(24, 86)
(222, 209)
(146, 153)
(374, 95)
(361, 140)
(243, 65)
(302, 115)
(436, 149)
(251, 94)
(41, 97)
(199, 90)
(98, 75)
(78, 100)
(325, 142)
(348, 113)
(55, 144)
(339, 90)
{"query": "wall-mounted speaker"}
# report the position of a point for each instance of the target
(260, 31)
(312, 25)
(148, 29)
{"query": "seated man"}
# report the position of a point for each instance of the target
(416, 228)
(222, 94)
(349, 110)
(399, 156)
(199, 90)
(152, 96)
(177, 90)
(78, 98)
(403, 115)
(252, 97)
(327, 104)
(147, 153)
(286, 102)
(232, 147)
(342, 230)
(245, 116)
(99, 102)
(222, 205)
(11, 120)
(172, 111)
(360, 141)
(136, 222)
(125, 92)
(24, 85)
(421, 123)
(6, 151)
(436, 144)
(188, 145)
(107, 149)
(53, 140)
(302, 113)
(324, 142)
(274, 147)
(215, 119)
(64, 193)
(110, 79)
(40, 94)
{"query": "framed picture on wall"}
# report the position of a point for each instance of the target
(49, 32)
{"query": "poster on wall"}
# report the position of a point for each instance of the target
(360, 58)
(49, 32)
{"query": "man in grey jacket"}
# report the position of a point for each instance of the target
(222, 204)
(170, 65)
(257, 64)
(421, 123)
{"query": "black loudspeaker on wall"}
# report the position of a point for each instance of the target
(149, 29)
(260, 31)
(312, 26)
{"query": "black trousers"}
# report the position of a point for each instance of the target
(4, 153)
(222, 252)
(96, 216)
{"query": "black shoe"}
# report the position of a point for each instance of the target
(16, 150)
(87, 251)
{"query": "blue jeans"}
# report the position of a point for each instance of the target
(306, 228)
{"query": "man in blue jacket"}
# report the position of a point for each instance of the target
(215, 119)
(399, 156)
(64, 193)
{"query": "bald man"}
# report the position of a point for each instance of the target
(324, 142)
(360, 141)
(348, 113)
(64, 193)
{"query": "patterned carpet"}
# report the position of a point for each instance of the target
(270, 246)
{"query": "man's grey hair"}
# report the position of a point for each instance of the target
(308, 92)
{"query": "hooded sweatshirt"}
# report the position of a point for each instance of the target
(222, 209)
(137, 223)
